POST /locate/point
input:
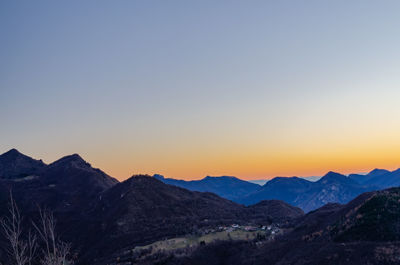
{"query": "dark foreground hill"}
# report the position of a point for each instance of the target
(68, 184)
(364, 231)
(100, 216)
(142, 210)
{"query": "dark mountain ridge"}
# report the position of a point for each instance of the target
(142, 209)
(99, 215)
(14, 165)
(71, 174)
(228, 187)
(333, 187)
(67, 183)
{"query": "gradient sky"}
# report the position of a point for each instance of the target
(253, 89)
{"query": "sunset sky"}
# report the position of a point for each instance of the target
(253, 89)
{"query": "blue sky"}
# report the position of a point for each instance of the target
(186, 89)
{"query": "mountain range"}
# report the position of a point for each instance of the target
(227, 187)
(99, 215)
(102, 217)
(308, 195)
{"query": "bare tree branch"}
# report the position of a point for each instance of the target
(56, 252)
(21, 251)
(23, 247)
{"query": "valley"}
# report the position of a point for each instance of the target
(183, 246)
(143, 220)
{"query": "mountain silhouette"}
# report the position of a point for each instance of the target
(143, 209)
(101, 216)
(333, 187)
(228, 187)
(308, 195)
(14, 165)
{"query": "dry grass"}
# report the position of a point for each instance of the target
(193, 241)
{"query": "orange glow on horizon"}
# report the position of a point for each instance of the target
(253, 167)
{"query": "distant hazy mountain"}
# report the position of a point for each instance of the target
(379, 178)
(262, 182)
(230, 188)
(300, 192)
(364, 178)
(308, 195)
(385, 179)
(281, 188)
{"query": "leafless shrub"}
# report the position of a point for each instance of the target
(24, 247)
(55, 251)
(22, 250)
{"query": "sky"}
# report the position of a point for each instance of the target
(253, 89)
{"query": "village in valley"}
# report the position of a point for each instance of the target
(273, 228)
(183, 245)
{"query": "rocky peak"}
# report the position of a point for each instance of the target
(73, 160)
(14, 164)
(333, 177)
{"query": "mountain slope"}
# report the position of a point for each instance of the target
(99, 215)
(307, 195)
(385, 180)
(279, 188)
(275, 210)
(14, 165)
(66, 184)
(67, 187)
(332, 188)
(362, 179)
(73, 177)
(364, 231)
(142, 209)
(377, 219)
(230, 188)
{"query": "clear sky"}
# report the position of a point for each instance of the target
(253, 89)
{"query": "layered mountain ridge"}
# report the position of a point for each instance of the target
(228, 187)
(308, 195)
(100, 215)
